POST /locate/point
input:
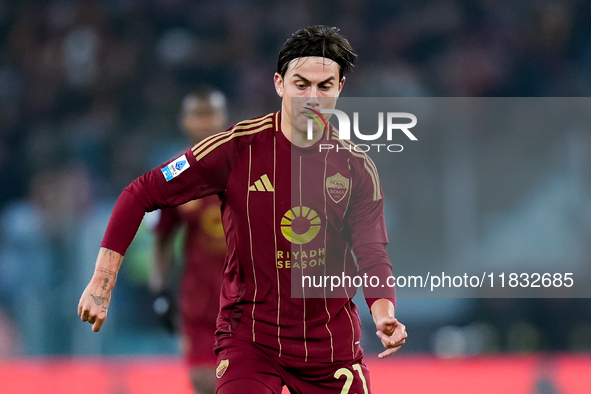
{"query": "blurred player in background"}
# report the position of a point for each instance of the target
(203, 112)
(278, 192)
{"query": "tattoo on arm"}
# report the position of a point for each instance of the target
(100, 299)
(106, 272)
(112, 255)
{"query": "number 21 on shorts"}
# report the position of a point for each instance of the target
(349, 376)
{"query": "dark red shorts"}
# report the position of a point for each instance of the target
(242, 359)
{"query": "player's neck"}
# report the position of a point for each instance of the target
(296, 137)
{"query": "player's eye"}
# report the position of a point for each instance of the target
(300, 85)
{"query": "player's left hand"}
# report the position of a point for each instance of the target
(165, 307)
(392, 334)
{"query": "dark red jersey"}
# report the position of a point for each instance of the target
(285, 210)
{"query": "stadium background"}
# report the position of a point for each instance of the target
(89, 95)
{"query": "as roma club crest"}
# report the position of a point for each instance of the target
(337, 187)
(221, 369)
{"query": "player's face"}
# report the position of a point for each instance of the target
(201, 118)
(309, 82)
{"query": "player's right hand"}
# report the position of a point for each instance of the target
(94, 302)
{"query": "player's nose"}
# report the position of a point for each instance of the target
(312, 101)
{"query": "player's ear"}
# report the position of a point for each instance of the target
(278, 80)
(341, 84)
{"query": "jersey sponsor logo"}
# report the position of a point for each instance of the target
(300, 225)
(221, 369)
(175, 168)
(262, 185)
(337, 187)
(300, 259)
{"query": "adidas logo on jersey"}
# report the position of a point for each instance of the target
(262, 185)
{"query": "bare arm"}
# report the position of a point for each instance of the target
(95, 300)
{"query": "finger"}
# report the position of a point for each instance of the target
(92, 319)
(391, 345)
(389, 341)
(98, 324)
(400, 333)
(84, 314)
(389, 352)
(384, 338)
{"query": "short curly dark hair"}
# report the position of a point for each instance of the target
(320, 40)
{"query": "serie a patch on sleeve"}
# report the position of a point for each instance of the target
(175, 168)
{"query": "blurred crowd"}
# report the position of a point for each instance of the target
(90, 93)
